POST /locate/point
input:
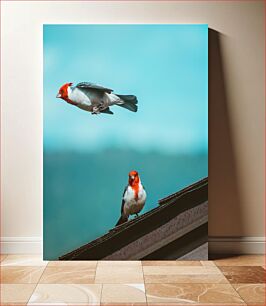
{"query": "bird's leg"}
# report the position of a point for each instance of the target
(137, 214)
(95, 110)
(101, 106)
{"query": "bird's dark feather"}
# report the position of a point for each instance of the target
(107, 111)
(88, 85)
(123, 201)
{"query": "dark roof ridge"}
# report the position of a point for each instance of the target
(187, 189)
(163, 203)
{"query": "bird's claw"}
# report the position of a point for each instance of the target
(97, 109)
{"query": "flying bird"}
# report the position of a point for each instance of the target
(134, 197)
(95, 98)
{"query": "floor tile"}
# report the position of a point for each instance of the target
(208, 263)
(170, 263)
(183, 274)
(2, 256)
(194, 304)
(14, 304)
(192, 293)
(112, 263)
(183, 270)
(66, 294)
(24, 260)
(73, 263)
(126, 304)
(16, 293)
(119, 273)
(248, 274)
(242, 260)
(68, 275)
(123, 293)
(21, 275)
(251, 293)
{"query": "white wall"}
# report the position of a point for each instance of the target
(236, 108)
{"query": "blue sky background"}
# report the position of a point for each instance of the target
(165, 66)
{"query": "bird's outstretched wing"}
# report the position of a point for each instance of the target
(88, 85)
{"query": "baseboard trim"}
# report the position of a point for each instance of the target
(21, 245)
(217, 245)
(237, 245)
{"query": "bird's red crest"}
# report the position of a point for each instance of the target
(63, 90)
(64, 87)
(133, 181)
(133, 173)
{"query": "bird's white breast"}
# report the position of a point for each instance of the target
(78, 96)
(132, 204)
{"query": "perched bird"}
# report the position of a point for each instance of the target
(95, 98)
(134, 197)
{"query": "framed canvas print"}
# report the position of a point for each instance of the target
(125, 142)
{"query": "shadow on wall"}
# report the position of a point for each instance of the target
(224, 198)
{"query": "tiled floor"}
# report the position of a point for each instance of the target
(28, 280)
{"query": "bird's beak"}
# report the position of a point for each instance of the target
(132, 177)
(58, 95)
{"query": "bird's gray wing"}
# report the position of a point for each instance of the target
(88, 85)
(123, 201)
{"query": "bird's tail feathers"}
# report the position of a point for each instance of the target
(122, 220)
(130, 102)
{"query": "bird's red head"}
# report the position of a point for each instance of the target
(63, 91)
(133, 177)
